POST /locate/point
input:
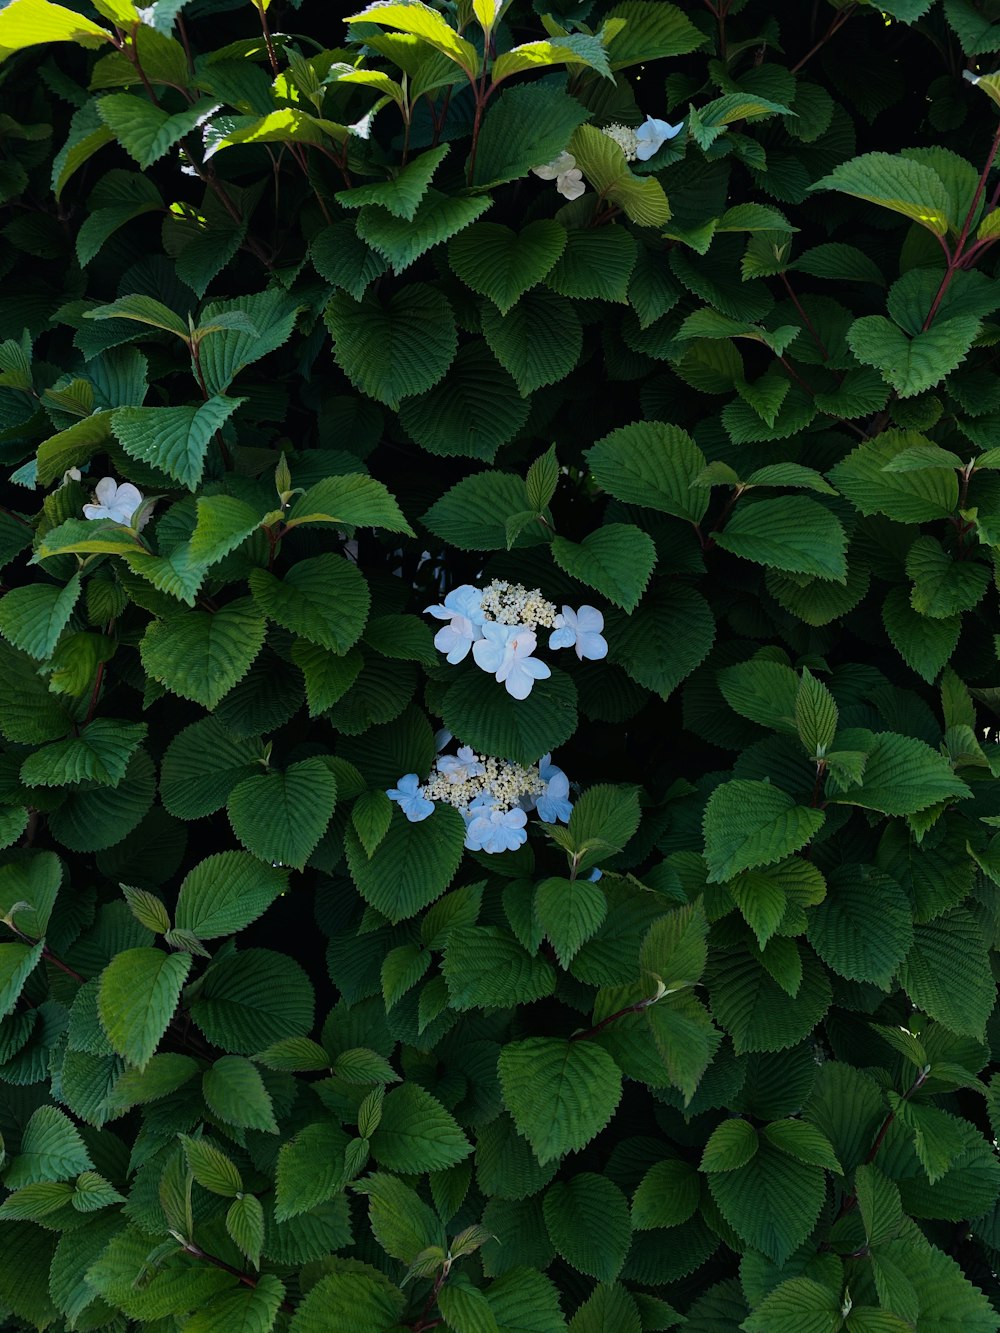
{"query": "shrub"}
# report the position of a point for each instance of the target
(613, 390)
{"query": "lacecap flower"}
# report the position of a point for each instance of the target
(492, 830)
(115, 502)
(580, 629)
(505, 651)
(554, 803)
(566, 174)
(410, 799)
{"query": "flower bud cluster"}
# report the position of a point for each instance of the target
(498, 624)
(493, 796)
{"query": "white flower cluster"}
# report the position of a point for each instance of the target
(499, 622)
(120, 503)
(493, 796)
(641, 144)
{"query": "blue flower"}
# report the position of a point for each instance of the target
(651, 137)
(414, 805)
(460, 767)
(580, 629)
(554, 803)
(462, 610)
(492, 830)
(505, 651)
(595, 875)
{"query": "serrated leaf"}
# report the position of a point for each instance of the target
(416, 1133)
(668, 635)
(666, 1196)
(587, 1218)
(569, 913)
(201, 766)
(816, 714)
(413, 864)
(200, 655)
(800, 1305)
(32, 618)
(912, 365)
(494, 723)
(309, 1169)
(280, 817)
(908, 497)
(351, 501)
(863, 928)
(401, 1222)
(146, 131)
(211, 1168)
(138, 995)
(361, 1298)
(942, 586)
(749, 824)
(225, 892)
(31, 22)
(902, 776)
(393, 351)
(502, 264)
(475, 410)
(538, 341)
(792, 534)
(401, 195)
(925, 644)
(51, 1149)
(245, 1224)
(485, 967)
(324, 599)
(100, 753)
(560, 1093)
(896, 183)
(596, 265)
(947, 974)
(401, 241)
(173, 439)
(371, 815)
(616, 560)
(525, 127)
(235, 1092)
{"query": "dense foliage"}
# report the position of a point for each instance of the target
(643, 357)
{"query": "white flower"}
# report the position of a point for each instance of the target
(71, 474)
(580, 629)
(652, 135)
(505, 651)
(496, 830)
(410, 798)
(116, 502)
(464, 614)
(461, 767)
(566, 174)
(626, 139)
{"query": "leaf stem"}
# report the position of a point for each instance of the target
(636, 1008)
(838, 22)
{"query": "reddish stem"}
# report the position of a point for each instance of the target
(958, 254)
(636, 1008)
(837, 23)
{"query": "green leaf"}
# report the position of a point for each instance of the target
(569, 913)
(587, 1218)
(286, 125)
(401, 195)
(201, 766)
(539, 341)
(245, 1224)
(350, 501)
(211, 1168)
(772, 1201)
(269, 318)
(816, 714)
(144, 310)
(924, 644)
(371, 815)
(651, 30)
(426, 23)
(792, 533)
(943, 587)
(235, 1092)
(280, 817)
(902, 776)
(667, 1195)
(400, 1221)
(577, 49)
(596, 265)
(524, 127)
(651, 464)
(393, 351)
(138, 995)
(413, 864)
(342, 258)
(325, 600)
(749, 824)
(560, 1093)
(247, 1001)
(51, 1149)
(762, 691)
(416, 1133)
(503, 264)
(475, 410)
(494, 723)
(309, 1169)
(616, 560)
(359, 1298)
(863, 928)
(32, 618)
(604, 165)
(665, 638)
(401, 241)
(146, 131)
(29, 887)
(912, 365)
(947, 973)
(224, 523)
(244, 1310)
(32, 22)
(200, 655)
(486, 968)
(173, 439)
(674, 949)
(225, 892)
(328, 676)
(973, 26)
(100, 753)
(800, 1305)
(896, 183)
(866, 479)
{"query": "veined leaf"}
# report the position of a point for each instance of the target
(749, 824)
(200, 655)
(138, 994)
(560, 1093)
(32, 22)
(174, 439)
(280, 817)
(503, 264)
(427, 24)
(897, 183)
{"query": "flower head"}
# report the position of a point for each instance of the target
(580, 629)
(409, 796)
(624, 137)
(459, 768)
(505, 651)
(116, 502)
(492, 830)
(566, 174)
(462, 610)
(652, 135)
